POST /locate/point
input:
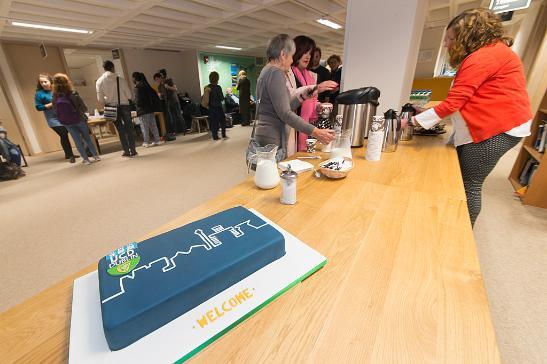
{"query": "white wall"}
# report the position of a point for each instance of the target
(381, 47)
(89, 74)
(182, 67)
(431, 40)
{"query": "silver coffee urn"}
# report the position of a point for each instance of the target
(357, 108)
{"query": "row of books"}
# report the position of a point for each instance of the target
(528, 172)
(541, 138)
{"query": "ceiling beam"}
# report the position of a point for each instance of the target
(118, 21)
(196, 28)
(452, 9)
(4, 11)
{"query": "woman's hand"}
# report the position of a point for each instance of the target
(327, 86)
(418, 109)
(325, 136)
(48, 106)
(404, 123)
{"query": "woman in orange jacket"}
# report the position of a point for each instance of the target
(488, 102)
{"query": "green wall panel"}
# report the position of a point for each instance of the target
(227, 65)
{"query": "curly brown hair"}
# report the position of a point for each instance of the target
(474, 29)
(62, 84)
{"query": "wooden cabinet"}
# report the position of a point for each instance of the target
(536, 192)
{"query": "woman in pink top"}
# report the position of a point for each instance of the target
(301, 80)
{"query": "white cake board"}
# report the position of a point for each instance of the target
(184, 337)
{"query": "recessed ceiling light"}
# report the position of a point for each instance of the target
(329, 23)
(49, 27)
(226, 47)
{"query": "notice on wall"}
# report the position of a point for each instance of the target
(499, 6)
(43, 50)
(425, 55)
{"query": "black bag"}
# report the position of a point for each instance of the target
(111, 112)
(155, 101)
(9, 171)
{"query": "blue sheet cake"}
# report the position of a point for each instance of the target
(145, 285)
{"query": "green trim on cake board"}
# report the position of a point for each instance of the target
(251, 313)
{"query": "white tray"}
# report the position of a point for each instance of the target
(184, 337)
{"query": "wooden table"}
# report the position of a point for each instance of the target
(100, 122)
(402, 284)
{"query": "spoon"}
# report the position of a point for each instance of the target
(316, 173)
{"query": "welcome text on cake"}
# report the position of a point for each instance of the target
(226, 306)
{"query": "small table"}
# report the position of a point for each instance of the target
(92, 122)
(197, 120)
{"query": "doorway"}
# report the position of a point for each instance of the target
(85, 66)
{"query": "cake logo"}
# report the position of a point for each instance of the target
(123, 260)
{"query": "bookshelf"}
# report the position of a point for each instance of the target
(536, 193)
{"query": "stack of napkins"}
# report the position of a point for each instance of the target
(296, 165)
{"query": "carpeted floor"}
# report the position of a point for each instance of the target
(512, 246)
(63, 217)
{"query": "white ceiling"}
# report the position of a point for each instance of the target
(175, 24)
(191, 24)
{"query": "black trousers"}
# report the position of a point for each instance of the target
(217, 119)
(477, 160)
(124, 125)
(175, 114)
(65, 142)
(245, 118)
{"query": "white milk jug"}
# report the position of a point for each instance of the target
(266, 175)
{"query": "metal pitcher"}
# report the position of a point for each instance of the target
(407, 113)
(392, 133)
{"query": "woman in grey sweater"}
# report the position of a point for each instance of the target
(275, 116)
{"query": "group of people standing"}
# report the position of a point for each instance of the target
(213, 98)
(168, 93)
(488, 102)
(65, 111)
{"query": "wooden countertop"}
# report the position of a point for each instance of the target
(402, 284)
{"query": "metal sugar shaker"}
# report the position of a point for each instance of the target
(288, 186)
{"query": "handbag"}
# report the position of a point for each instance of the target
(205, 97)
(254, 146)
(111, 112)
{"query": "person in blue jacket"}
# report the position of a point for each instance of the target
(42, 101)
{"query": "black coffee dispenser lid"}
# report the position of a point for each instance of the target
(373, 93)
(390, 114)
(409, 108)
(359, 96)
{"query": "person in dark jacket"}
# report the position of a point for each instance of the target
(173, 104)
(244, 88)
(144, 102)
(335, 64)
(323, 73)
(231, 101)
(216, 113)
